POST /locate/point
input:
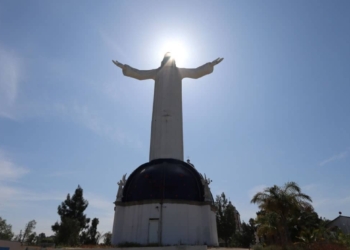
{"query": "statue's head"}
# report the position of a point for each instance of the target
(168, 60)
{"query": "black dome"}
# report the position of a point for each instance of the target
(168, 179)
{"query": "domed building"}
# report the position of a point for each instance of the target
(165, 201)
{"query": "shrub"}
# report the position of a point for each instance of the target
(326, 246)
(257, 247)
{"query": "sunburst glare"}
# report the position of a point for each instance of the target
(177, 50)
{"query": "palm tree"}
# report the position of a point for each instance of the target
(284, 202)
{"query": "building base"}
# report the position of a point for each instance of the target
(170, 223)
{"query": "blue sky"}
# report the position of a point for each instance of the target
(275, 110)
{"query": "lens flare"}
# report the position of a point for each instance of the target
(177, 51)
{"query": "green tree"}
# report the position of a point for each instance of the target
(246, 237)
(315, 231)
(48, 240)
(91, 236)
(18, 237)
(67, 232)
(279, 207)
(225, 218)
(267, 227)
(27, 235)
(31, 239)
(73, 219)
(306, 219)
(107, 239)
(40, 238)
(5, 230)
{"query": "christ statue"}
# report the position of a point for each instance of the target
(166, 131)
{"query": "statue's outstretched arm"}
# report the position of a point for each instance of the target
(217, 61)
(135, 73)
(120, 65)
(200, 71)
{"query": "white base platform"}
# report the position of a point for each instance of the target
(192, 223)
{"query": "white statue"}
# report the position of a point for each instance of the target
(121, 185)
(167, 132)
(206, 182)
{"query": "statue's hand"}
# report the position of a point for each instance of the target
(217, 61)
(120, 65)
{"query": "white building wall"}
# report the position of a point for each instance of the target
(189, 224)
(131, 223)
(181, 224)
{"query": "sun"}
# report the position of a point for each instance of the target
(177, 50)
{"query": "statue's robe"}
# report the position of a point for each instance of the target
(167, 131)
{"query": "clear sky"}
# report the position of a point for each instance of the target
(275, 110)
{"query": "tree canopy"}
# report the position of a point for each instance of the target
(246, 237)
(91, 236)
(5, 230)
(225, 218)
(74, 208)
(107, 239)
(74, 223)
(280, 210)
